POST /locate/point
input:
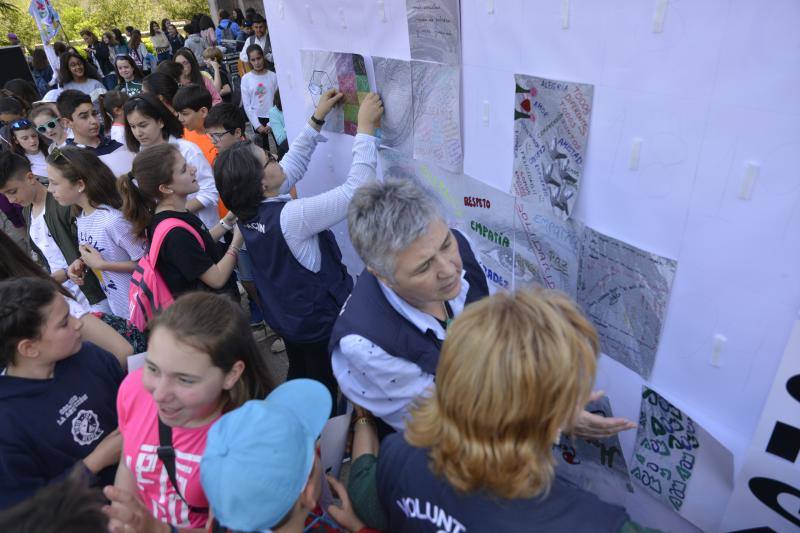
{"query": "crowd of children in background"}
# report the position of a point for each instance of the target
(138, 196)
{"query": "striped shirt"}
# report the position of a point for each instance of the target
(108, 231)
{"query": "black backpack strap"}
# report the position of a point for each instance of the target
(166, 453)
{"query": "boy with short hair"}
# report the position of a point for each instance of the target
(192, 103)
(225, 125)
(78, 114)
(51, 229)
(261, 470)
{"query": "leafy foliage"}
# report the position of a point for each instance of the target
(96, 15)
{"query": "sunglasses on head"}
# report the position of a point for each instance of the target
(49, 125)
(56, 153)
(21, 124)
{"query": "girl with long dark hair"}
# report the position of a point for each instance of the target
(149, 123)
(76, 73)
(192, 74)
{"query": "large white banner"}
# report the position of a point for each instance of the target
(767, 493)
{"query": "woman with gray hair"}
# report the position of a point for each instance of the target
(419, 275)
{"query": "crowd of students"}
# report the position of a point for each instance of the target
(146, 215)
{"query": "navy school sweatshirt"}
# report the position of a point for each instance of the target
(49, 425)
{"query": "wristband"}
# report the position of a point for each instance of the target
(233, 252)
(225, 225)
(317, 121)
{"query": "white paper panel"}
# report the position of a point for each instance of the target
(716, 89)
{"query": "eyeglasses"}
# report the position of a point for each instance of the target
(49, 125)
(21, 124)
(217, 137)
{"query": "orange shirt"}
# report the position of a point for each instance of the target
(203, 141)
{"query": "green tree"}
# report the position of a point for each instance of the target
(184, 9)
(96, 15)
(7, 7)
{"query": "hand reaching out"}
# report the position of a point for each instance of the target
(591, 426)
(128, 514)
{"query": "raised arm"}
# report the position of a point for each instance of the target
(295, 162)
(303, 218)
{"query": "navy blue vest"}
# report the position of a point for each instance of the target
(416, 500)
(300, 305)
(370, 315)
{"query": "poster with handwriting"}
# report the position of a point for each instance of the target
(436, 103)
(551, 128)
(434, 30)
(334, 70)
(488, 221)
(393, 84)
(625, 291)
(666, 450)
(548, 248)
(680, 463)
(596, 465)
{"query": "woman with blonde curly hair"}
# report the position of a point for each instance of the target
(515, 370)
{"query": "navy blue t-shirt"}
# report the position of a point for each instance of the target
(416, 500)
(48, 425)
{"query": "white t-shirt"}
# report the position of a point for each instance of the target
(208, 194)
(76, 309)
(108, 231)
(52, 254)
(38, 163)
(120, 161)
(258, 94)
(117, 133)
(85, 87)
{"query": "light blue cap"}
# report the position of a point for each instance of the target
(258, 457)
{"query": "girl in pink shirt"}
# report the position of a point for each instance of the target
(202, 361)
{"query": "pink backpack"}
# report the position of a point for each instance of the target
(149, 294)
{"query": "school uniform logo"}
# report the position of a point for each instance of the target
(86, 427)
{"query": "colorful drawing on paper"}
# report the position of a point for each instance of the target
(434, 30)
(393, 84)
(625, 291)
(547, 250)
(436, 101)
(551, 128)
(596, 465)
(332, 70)
(666, 450)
